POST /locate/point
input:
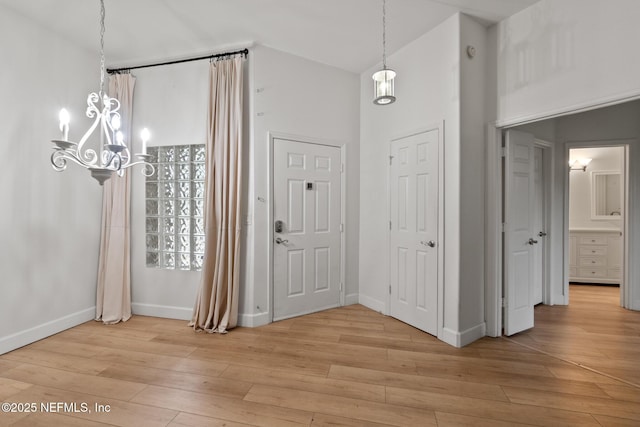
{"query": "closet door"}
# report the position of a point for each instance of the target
(414, 186)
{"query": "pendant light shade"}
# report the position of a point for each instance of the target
(383, 88)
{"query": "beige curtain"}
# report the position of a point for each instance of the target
(113, 301)
(216, 308)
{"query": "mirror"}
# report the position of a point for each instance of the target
(606, 195)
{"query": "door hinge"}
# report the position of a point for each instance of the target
(341, 167)
(503, 303)
(390, 160)
(503, 152)
(389, 225)
(504, 226)
(341, 286)
(341, 228)
(389, 289)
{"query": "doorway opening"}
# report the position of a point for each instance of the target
(614, 126)
(597, 194)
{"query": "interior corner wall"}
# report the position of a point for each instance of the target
(49, 221)
(561, 56)
(472, 178)
(297, 97)
(428, 92)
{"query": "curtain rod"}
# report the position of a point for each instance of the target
(243, 52)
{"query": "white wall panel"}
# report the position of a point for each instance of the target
(49, 221)
(184, 88)
(560, 56)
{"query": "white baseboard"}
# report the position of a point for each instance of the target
(372, 303)
(352, 299)
(460, 339)
(31, 335)
(164, 311)
(185, 313)
(253, 320)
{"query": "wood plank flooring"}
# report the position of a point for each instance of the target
(580, 366)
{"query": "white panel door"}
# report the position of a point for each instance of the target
(519, 239)
(414, 231)
(306, 252)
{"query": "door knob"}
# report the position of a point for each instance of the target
(542, 234)
(532, 242)
(281, 241)
(431, 244)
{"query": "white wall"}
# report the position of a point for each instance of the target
(603, 159)
(559, 56)
(172, 102)
(472, 172)
(295, 96)
(49, 221)
(434, 75)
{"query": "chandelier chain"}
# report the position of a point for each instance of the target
(102, 61)
(384, 34)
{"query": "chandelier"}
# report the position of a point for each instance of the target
(383, 80)
(112, 154)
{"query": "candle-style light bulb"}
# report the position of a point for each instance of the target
(115, 127)
(120, 137)
(64, 123)
(145, 135)
(115, 122)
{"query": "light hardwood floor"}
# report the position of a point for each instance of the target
(580, 366)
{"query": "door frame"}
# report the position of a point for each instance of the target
(440, 127)
(494, 219)
(271, 137)
(559, 248)
(625, 288)
(548, 178)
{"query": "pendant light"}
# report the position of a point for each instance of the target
(383, 89)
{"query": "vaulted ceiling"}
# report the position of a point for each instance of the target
(343, 33)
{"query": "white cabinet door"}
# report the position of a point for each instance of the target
(519, 232)
(414, 230)
(306, 253)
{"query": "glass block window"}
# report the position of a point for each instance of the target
(174, 197)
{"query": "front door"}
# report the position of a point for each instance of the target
(519, 238)
(414, 242)
(307, 241)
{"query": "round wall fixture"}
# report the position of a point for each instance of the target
(471, 51)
